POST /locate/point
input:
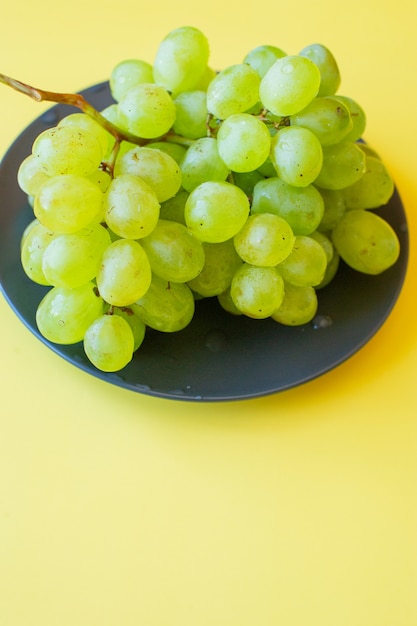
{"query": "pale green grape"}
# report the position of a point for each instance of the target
(233, 90)
(101, 178)
(289, 85)
(137, 326)
(221, 262)
(174, 150)
(325, 242)
(67, 150)
(216, 211)
(33, 245)
(146, 110)
(306, 264)
(88, 124)
(71, 260)
(301, 207)
(63, 315)
(206, 78)
(201, 163)
(67, 203)
(328, 118)
(329, 71)
(124, 274)
(191, 114)
(181, 59)
(131, 207)
(343, 165)
(297, 155)
(226, 302)
(173, 252)
(357, 115)
(127, 74)
(366, 242)
(263, 57)
(373, 189)
(334, 208)
(265, 240)
(173, 208)
(109, 343)
(298, 307)
(158, 169)
(30, 175)
(331, 270)
(243, 142)
(167, 306)
(257, 291)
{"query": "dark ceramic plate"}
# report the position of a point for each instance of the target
(218, 357)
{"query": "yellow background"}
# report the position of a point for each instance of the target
(297, 509)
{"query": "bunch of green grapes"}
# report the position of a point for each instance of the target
(247, 185)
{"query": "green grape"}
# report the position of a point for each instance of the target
(301, 207)
(71, 260)
(366, 242)
(226, 302)
(124, 274)
(373, 190)
(247, 181)
(328, 118)
(174, 150)
(67, 203)
(331, 270)
(325, 242)
(297, 155)
(357, 115)
(191, 114)
(298, 307)
(343, 165)
(221, 262)
(206, 78)
(233, 90)
(167, 306)
(334, 208)
(109, 343)
(265, 240)
(173, 208)
(63, 315)
(181, 59)
(146, 110)
(137, 326)
(257, 291)
(306, 264)
(158, 169)
(263, 57)
(33, 245)
(202, 163)
(173, 252)
(127, 74)
(215, 211)
(289, 85)
(67, 150)
(101, 178)
(30, 175)
(243, 142)
(89, 125)
(131, 207)
(329, 71)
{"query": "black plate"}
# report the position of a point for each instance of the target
(218, 356)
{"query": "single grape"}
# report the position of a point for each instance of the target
(289, 85)
(67, 203)
(137, 326)
(89, 125)
(257, 291)
(157, 168)
(109, 343)
(306, 264)
(63, 315)
(174, 150)
(173, 252)
(220, 263)
(127, 74)
(131, 207)
(329, 71)
(226, 302)
(263, 57)
(33, 245)
(334, 208)
(124, 274)
(328, 118)
(181, 59)
(167, 306)
(343, 165)
(366, 242)
(30, 175)
(202, 163)
(216, 211)
(297, 155)
(146, 110)
(265, 240)
(298, 307)
(243, 142)
(374, 189)
(191, 114)
(357, 115)
(233, 90)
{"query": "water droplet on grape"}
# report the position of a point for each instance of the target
(321, 321)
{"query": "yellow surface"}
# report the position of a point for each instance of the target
(298, 509)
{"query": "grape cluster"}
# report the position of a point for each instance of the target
(247, 185)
